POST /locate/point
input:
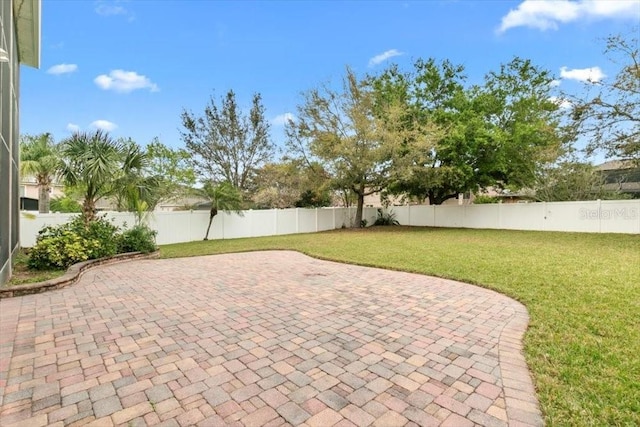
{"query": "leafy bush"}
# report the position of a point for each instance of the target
(483, 199)
(58, 250)
(388, 218)
(63, 245)
(103, 231)
(139, 238)
(313, 199)
(65, 204)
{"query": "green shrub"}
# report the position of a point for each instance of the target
(388, 218)
(139, 238)
(102, 231)
(63, 245)
(57, 251)
(483, 199)
(65, 204)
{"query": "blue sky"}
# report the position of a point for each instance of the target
(131, 67)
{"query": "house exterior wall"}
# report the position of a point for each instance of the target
(29, 188)
(9, 153)
(374, 200)
(14, 15)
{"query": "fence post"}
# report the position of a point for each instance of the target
(223, 215)
(409, 214)
(599, 216)
(275, 222)
(317, 219)
(333, 210)
(435, 215)
(297, 220)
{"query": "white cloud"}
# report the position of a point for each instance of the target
(547, 14)
(384, 56)
(105, 8)
(555, 83)
(125, 81)
(62, 69)
(104, 125)
(282, 119)
(72, 127)
(561, 102)
(109, 10)
(592, 74)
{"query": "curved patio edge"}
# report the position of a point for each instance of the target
(72, 275)
(520, 395)
(521, 402)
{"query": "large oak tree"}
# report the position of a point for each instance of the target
(340, 128)
(493, 134)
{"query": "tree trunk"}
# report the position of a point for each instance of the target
(44, 199)
(432, 198)
(438, 199)
(89, 210)
(359, 209)
(212, 213)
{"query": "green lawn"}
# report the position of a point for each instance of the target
(582, 292)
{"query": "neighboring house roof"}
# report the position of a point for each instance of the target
(621, 175)
(27, 17)
(184, 201)
(615, 165)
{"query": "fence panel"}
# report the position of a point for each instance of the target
(306, 220)
(424, 216)
(449, 216)
(520, 216)
(566, 216)
(263, 222)
(402, 214)
(326, 219)
(344, 218)
(480, 216)
(369, 215)
(614, 216)
(235, 226)
(181, 226)
(31, 223)
(287, 221)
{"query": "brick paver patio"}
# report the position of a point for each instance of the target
(264, 338)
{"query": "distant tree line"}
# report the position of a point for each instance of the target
(426, 134)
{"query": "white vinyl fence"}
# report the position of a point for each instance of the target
(610, 216)
(597, 216)
(188, 226)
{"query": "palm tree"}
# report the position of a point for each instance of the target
(39, 157)
(101, 166)
(92, 163)
(223, 197)
(135, 191)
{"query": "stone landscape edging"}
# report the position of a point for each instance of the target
(71, 276)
